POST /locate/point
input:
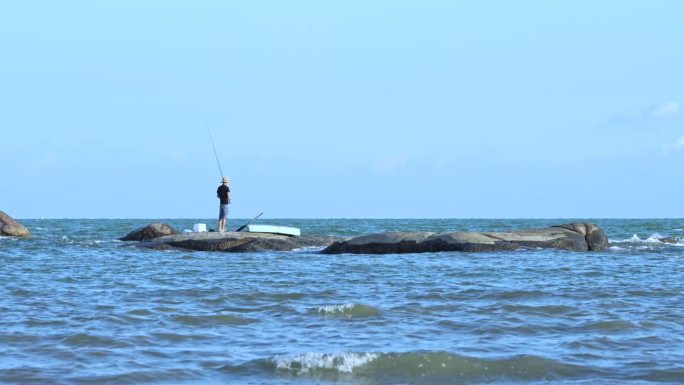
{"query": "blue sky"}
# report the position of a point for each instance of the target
(319, 109)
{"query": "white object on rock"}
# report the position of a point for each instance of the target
(293, 231)
(199, 228)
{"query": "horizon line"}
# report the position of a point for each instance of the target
(354, 218)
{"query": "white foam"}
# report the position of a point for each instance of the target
(342, 362)
(332, 309)
(653, 238)
(308, 249)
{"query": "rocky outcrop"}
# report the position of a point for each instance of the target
(572, 236)
(152, 231)
(236, 242)
(11, 228)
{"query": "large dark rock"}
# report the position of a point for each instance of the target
(572, 236)
(154, 230)
(236, 242)
(11, 228)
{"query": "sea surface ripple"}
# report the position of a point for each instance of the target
(77, 306)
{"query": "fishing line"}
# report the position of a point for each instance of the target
(214, 147)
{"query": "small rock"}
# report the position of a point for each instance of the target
(670, 240)
(154, 230)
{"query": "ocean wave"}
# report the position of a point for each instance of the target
(308, 249)
(653, 239)
(543, 310)
(141, 375)
(348, 310)
(608, 326)
(213, 320)
(428, 367)
(309, 362)
(88, 242)
(91, 340)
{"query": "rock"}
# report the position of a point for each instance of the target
(236, 242)
(670, 240)
(11, 228)
(572, 236)
(595, 237)
(154, 230)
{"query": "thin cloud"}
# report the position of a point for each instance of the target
(676, 146)
(666, 112)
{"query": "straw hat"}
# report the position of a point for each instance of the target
(225, 180)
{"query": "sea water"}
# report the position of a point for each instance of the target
(77, 306)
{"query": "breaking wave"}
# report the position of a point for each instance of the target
(308, 249)
(426, 367)
(348, 310)
(309, 362)
(653, 239)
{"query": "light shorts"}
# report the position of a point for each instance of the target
(223, 211)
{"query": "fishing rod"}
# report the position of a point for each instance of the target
(248, 223)
(214, 147)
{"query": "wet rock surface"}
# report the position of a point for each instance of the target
(236, 242)
(571, 236)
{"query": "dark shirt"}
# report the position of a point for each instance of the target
(222, 193)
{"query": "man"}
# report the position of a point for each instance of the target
(223, 193)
